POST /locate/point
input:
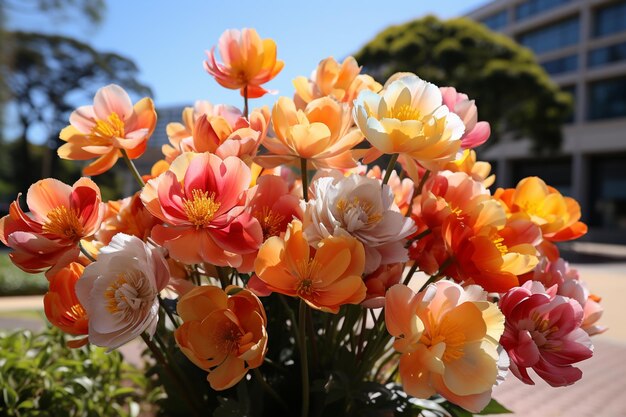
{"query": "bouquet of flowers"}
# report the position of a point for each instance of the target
(269, 269)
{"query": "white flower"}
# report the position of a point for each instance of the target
(119, 291)
(357, 205)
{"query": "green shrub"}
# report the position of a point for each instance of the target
(41, 376)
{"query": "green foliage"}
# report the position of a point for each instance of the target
(40, 376)
(14, 281)
(512, 91)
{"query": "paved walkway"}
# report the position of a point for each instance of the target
(600, 393)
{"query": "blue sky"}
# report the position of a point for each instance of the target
(167, 39)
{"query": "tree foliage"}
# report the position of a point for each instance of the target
(512, 91)
(47, 77)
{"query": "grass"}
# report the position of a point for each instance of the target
(14, 281)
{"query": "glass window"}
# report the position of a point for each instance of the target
(552, 37)
(607, 196)
(571, 89)
(607, 55)
(607, 99)
(609, 20)
(496, 21)
(532, 7)
(561, 65)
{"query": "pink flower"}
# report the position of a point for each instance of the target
(111, 125)
(60, 216)
(202, 201)
(542, 332)
(378, 282)
(476, 133)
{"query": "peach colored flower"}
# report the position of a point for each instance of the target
(448, 337)
(60, 216)
(112, 124)
(127, 216)
(321, 133)
(325, 278)
(62, 308)
(202, 201)
(478, 170)
(476, 133)
(543, 333)
(357, 206)
(219, 129)
(342, 82)
(249, 62)
(470, 228)
(379, 281)
(273, 205)
(556, 215)
(119, 291)
(408, 118)
(224, 335)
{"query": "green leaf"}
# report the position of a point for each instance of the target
(494, 407)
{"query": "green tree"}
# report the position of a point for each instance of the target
(512, 91)
(48, 76)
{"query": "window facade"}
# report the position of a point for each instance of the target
(607, 99)
(532, 7)
(496, 21)
(607, 195)
(560, 35)
(561, 65)
(609, 20)
(607, 55)
(556, 172)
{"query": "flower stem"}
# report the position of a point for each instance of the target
(169, 313)
(304, 362)
(410, 274)
(158, 356)
(245, 102)
(268, 388)
(133, 168)
(223, 276)
(392, 163)
(84, 252)
(438, 274)
(305, 179)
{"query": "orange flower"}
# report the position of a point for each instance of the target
(219, 129)
(478, 170)
(321, 133)
(128, 216)
(325, 280)
(556, 215)
(249, 62)
(61, 305)
(224, 335)
(60, 216)
(111, 125)
(341, 82)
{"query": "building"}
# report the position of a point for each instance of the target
(582, 45)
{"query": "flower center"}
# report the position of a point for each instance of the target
(501, 247)
(226, 337)
(453, 338)
(129, 292)
(305, 269)
(270, 222)
(112, 127)
(201, 208)
(64, 222)
(363, 210)
(405, 112)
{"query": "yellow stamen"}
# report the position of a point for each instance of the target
(201, 209)
(64, 222)
(270, 222)
(405, 112)
(453, 338)
(111, 294)
(112, 127)
(502, 248)
(372, 217)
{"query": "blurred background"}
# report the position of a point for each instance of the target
(548, 75)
